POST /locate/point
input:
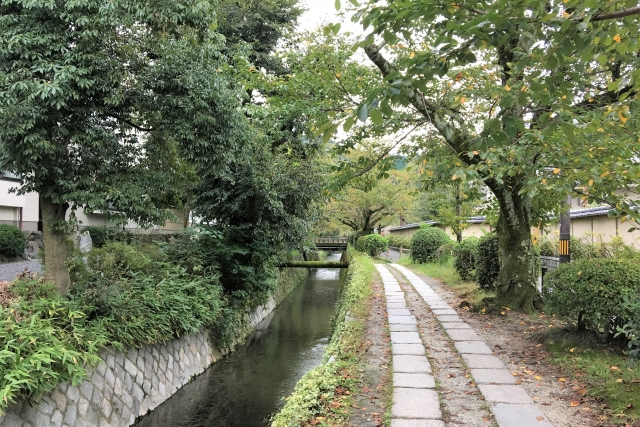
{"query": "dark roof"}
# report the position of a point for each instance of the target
(583, 213)
(575, 213)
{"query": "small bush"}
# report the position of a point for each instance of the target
(466, 254)
(372, 244)
(425, 242)
(445, 252)
(99, 235)
(631, 330)
(488, 261)
(547, 248)
(116, 259)
(12, 241)
(399, 241)
(594, 291)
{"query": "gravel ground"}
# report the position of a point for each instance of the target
(9, 270)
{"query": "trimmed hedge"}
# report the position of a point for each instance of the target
(12, 241)
(372, 244)
(425, 242)
(594, 291)
(399, 241)
(466, 254)
(488, 261)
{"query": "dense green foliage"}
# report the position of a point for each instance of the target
(12, 241)
(536, 100)
(595, 292)
(425, 242)
(399, 241)
(445, 253)
(314, 393)
(47, 338)
(466, 254)
(488, 261)
(372, 244)
(631, 329)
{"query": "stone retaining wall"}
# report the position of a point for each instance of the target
(122, 388)
(128, 385)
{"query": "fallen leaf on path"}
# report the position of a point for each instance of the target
(562, 379)
(538, 377)
(540, 418)
(574, 403)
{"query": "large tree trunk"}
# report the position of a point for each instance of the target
(55, 245)
(516, 287)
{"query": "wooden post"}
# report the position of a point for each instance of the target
(564, 251)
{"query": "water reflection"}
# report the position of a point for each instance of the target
(243, 390)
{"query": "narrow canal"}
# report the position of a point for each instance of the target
(247, 387)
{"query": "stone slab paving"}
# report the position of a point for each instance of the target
(418, 423)
(410, 349)
(398, 312)
(511, 405)
(410, 320)
(400, 327)
(405, 338)
(482, 361)
(411, 364)
(455, 325)
(504, 394)
(463, 334)
(415, 403)
(406, 380)
(472, 347)
(492, 376)
(520, 415)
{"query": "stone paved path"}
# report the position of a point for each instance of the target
(415, 398)
(9, 271)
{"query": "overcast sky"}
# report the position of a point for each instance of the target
(321, 12)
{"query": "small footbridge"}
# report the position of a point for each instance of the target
(323, 244)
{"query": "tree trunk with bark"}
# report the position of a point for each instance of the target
(516, 286)
(55, 245)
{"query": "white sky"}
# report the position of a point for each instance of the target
(320, 12)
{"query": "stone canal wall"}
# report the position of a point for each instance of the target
(129, 384)
(117, 391)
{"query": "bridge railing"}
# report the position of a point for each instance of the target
(337, 240)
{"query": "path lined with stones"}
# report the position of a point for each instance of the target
(415, 402)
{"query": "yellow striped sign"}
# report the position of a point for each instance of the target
(564, 247)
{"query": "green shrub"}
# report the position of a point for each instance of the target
(372, 244)
(399, 241)
(631, 330)
(594, 291)
(99, 235)
(12, 241)
(488, 261)
(425, 242)
(547, 248)
(465, 258)
(46, 339)
(116, 259)
(445, 252)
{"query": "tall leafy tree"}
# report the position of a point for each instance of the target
(530, 97)
(91, 92)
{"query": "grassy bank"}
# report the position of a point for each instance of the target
(599, 373)
(322, 396)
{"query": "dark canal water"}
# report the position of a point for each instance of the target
(247, 387)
